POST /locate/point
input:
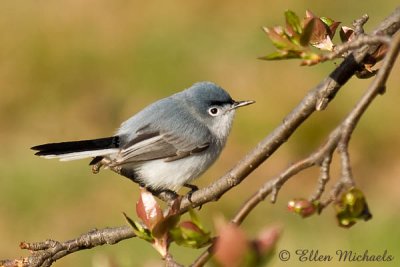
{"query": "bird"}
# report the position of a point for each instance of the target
(166, 145)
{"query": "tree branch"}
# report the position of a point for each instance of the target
(359, 41)
(316, 99)
(323, 177)
(47, 252)
(338, 139)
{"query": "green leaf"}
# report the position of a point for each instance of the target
(139, 230)
(299, 36)
(195, 219)
(196, 239)
(254, 259)
(281, 54)
(176, 235)
(278, 39)
(189, 235)
(327, 21)
(310, 58)
(293, 23)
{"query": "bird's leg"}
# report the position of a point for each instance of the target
(165, 195)
(193, 188)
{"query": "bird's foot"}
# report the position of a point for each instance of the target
(193, 188)
(165, 195)
(96, 167)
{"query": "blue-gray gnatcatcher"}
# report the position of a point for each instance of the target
(167, 144)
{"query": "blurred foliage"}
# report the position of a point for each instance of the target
(76, 69)
(245, 252)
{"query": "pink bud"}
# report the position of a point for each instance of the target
(267, 239)
(148, 210)
(301, 206)
(231, 245)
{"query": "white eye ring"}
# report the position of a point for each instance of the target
(214, 111)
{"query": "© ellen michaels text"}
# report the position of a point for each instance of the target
(306, 255)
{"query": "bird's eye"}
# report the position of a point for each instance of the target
(213, 111)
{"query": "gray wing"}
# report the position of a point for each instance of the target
(150, 144)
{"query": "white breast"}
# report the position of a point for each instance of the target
(159, 174)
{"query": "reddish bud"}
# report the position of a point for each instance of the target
(231, 245)
(188, 225)
(267, 239)
(309, 14)
(148, 210)
(303, 207)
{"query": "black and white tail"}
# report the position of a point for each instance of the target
(79, 149)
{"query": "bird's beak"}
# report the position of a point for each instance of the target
(238, 104)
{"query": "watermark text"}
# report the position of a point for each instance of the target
(340, 255)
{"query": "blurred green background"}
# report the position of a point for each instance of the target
(76, 69)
